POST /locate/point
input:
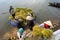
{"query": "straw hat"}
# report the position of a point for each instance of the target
(20, 20)
(48, 23)
(29, 18)
(16, 17)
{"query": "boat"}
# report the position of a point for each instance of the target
(54, 4)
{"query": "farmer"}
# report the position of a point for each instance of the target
(30, 23)
(20, 33)
(11, 11)
(18, 22)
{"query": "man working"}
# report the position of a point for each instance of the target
(11, 11)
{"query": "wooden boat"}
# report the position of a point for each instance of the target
(54, 4)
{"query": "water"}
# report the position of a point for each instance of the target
(39, 7)
(4, 4)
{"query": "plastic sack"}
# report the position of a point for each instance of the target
(56, 32)
(57, 35)
(42, 25)
(18, 35)
(12, 23)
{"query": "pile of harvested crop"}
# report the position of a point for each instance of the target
(22, 13)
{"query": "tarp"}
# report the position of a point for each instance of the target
(57, 34)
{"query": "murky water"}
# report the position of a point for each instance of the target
(40, 8)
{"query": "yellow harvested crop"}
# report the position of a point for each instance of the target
(38, 31)
(47, 33)
(22, 13)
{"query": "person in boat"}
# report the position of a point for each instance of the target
(47, 24)
(11, 11)
(30, 23)
(20, 34)
(19, 22)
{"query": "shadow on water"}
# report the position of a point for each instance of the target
(58, 8)
(55, 7)
(5, 13)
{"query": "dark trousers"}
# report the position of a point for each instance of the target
(13, 15)
(31, 24)
(19, 25)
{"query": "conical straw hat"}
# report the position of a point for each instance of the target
(48, 23)
(16, 17)
(29, 18)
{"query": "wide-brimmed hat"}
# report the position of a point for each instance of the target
(16, 17)
(49, 23)
(29, 18)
